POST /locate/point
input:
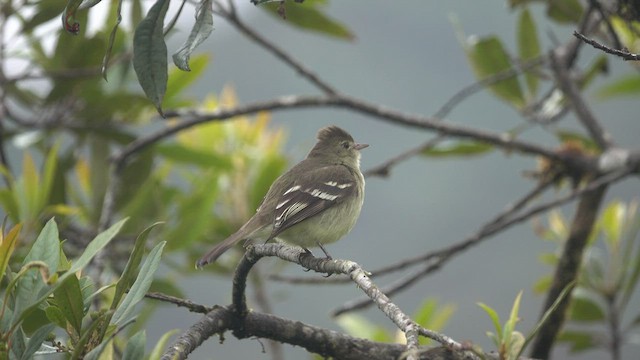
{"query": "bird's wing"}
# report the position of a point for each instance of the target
(312, 194)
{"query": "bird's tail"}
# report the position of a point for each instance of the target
(219, 249)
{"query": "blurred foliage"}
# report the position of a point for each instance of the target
(65, 122)
(51, 295)
(608, 280)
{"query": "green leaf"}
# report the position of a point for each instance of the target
(495, 319)
(584, 309)
(510, 325)
(189, 155)
(150, 54)
(461, 148)
(308, 16)
(528, 48)
(7, 245)
(578, 340)
(488, 57)
(140, 286)
(69, 299)
(612, 220)
(360, 326)
(130, 271)
(112, 40)
(84, 345)
(201, 30)
(99, 242)
(627, 86)
(181, 80)
(565, 11)
(46, 249)
(160, 346)
(135, 346)
(56, 316)
(36, 340)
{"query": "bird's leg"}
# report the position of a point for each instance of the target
(307, 252)
(328, 257)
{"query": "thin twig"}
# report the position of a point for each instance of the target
(490, 229)
(190, 305)
(488, 81)
(232, 16)
(432, 260)
(624, 54)
(383, 169)
(580, 107)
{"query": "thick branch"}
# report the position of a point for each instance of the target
(331, 266)
(325, 342)
(567, 271)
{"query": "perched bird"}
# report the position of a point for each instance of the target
(316, 202)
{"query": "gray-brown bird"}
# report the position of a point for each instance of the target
(316, 202)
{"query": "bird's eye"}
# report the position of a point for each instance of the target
(345, 145)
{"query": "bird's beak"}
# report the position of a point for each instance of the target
(358, 146)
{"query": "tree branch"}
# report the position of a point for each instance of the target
(624, 54)
(232, 17)
(325, 342)
(567, 271)
(330, 266)
(580, 107)
(439, 258)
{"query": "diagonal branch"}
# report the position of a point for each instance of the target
(330, 266)
(438, 259)
(232, 17)
(582, 110)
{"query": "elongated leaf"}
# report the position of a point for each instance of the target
(627, 86)
(130, 271)
(188, 155)
(528, 47)
(112, 40)
(584, 309)
(150, 54)
(99, 242)
(140, 286)
(201, 30)
(565, 11)
(488, 57)
(308, 16)
(82, 346)
(45, 249)
(135, 346)
(69, 299)
(160, 346)
(461, 148)
(36, 340)
(7, 245)
(578, 340)
(56, 316)
(510, 325)
(495, 319)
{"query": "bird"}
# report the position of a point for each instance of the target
(316, 202)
